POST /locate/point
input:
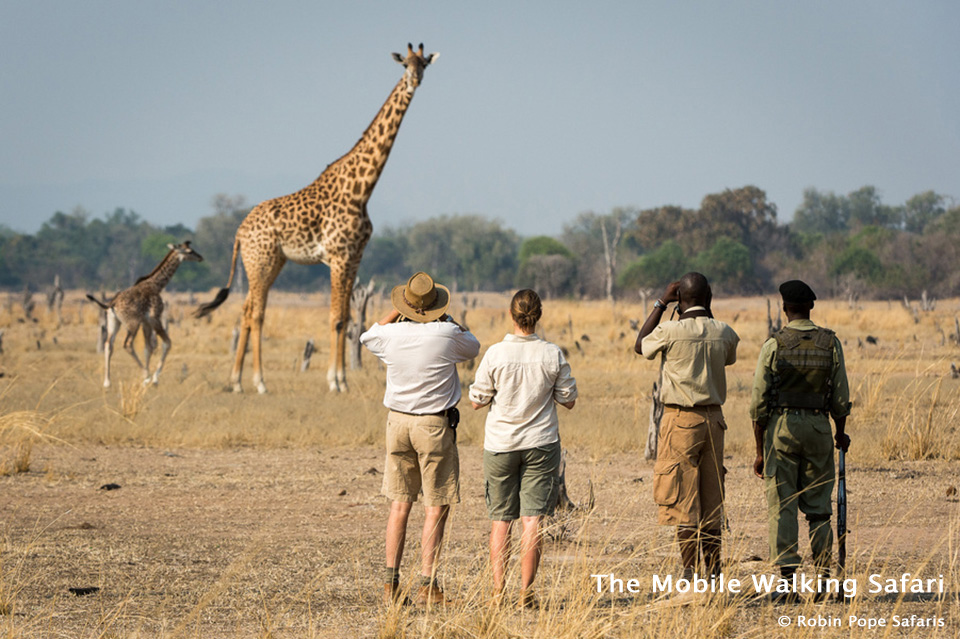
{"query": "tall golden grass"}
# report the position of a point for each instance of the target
(904, 398)
(905, 409)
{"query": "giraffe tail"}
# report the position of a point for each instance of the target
(223, 293)
(98, 302)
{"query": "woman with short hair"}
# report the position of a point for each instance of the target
(522, 379)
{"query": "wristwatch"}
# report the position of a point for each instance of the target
(659, 304)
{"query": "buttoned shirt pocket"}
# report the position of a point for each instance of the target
(666, 482)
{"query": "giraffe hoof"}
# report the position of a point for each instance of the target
(261, 389)
(106, 384)
(238, 389)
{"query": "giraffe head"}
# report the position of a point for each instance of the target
(184, 253)
(414, 63)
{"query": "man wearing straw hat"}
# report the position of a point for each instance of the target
(800, 381)
(420, 345)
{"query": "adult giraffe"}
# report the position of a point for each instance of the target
(324, 222)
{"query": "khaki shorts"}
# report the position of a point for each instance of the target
(688, 473)
(421, 458)
(522, 483)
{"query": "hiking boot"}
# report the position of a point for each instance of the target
(528, 601)
(432, 595)
(393, 596)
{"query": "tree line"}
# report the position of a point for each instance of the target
(852, 244)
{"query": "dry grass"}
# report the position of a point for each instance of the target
(239, 531)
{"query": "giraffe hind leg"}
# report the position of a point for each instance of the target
(164, 349)
(261, 276)
(149, 341)
(241, 352)
(113, 327)
(128, 345)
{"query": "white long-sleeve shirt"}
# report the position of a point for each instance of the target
(421, 361)
(522, 378)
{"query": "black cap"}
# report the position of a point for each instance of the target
(797, 292)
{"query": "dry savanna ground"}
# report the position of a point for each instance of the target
(247, 515)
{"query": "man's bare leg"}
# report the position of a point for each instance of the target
(397, 532)
(433, 524)
(396, 538)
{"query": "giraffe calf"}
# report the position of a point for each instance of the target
(141, 306)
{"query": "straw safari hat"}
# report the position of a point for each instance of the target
(421, 300)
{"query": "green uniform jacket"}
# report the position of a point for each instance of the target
(760, 408)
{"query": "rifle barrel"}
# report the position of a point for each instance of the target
(842, 513)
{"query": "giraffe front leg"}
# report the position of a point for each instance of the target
(336, 375)
(261, 272)
(341, 286)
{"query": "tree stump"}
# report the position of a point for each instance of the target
(653, 429)
(358, 302)
(308, 351)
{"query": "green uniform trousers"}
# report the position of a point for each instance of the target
(798, 472)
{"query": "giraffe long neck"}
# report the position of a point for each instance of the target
(364, 163)
(160, 276)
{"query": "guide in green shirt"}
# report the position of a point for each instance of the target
(800, 383)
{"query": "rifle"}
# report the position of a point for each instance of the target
(842, 515)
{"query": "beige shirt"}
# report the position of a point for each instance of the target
(522, 378)
(694, 352)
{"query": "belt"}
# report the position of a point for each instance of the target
(452, 414)
(442, 413)
(789, 409)
(703, 407)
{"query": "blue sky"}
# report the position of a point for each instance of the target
(533, 113)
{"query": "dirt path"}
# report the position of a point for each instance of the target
(212, 543)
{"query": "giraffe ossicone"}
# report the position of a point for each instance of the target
(325, 222)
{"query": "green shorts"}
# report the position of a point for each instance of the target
(522, 483)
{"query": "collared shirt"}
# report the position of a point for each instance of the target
(763, 379)
(421, 361)
(522, 378)
(694, 352)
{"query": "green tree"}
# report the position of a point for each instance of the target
(727, 264)
(214, 241)
(465, 251)
(821, 213)
(585, 238)
(542, 245)
(383, 258)
(921, 210)
(547, 266)
(655, 269)
(859, 261)
(866, 209)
